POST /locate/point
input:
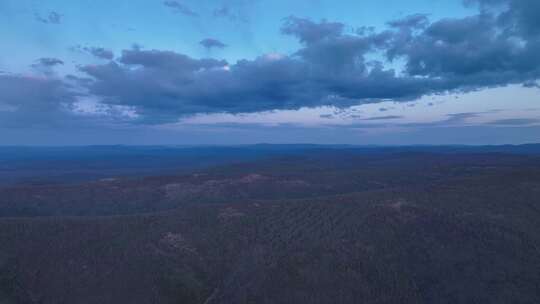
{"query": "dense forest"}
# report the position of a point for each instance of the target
(304, 225)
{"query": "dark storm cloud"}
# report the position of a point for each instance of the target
(494, 47)
(210, 43)
(51, 18)
(181, 8)
(518, 15)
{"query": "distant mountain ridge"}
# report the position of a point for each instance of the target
(23, 164)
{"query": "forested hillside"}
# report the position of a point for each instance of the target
(326, 227)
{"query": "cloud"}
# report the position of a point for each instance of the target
(461, 117)
(487, 49)
(331, 67)
(52, 18)
(328, 49)
(515, 122)
(164, 85)
(309, 32)
(389, 117)
(451, 120)
(49, 62)
(100, 52)
(230, 14)
(518, 16)
(34, 100)
(210, 43)
(168, 61)
(181, 8)
(46, 65)
(411, 21)
(531, 84)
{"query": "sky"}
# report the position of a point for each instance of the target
(382, 72)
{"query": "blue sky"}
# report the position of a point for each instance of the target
(136, 72)
(153, 25)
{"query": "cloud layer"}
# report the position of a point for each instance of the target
(498, 46)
